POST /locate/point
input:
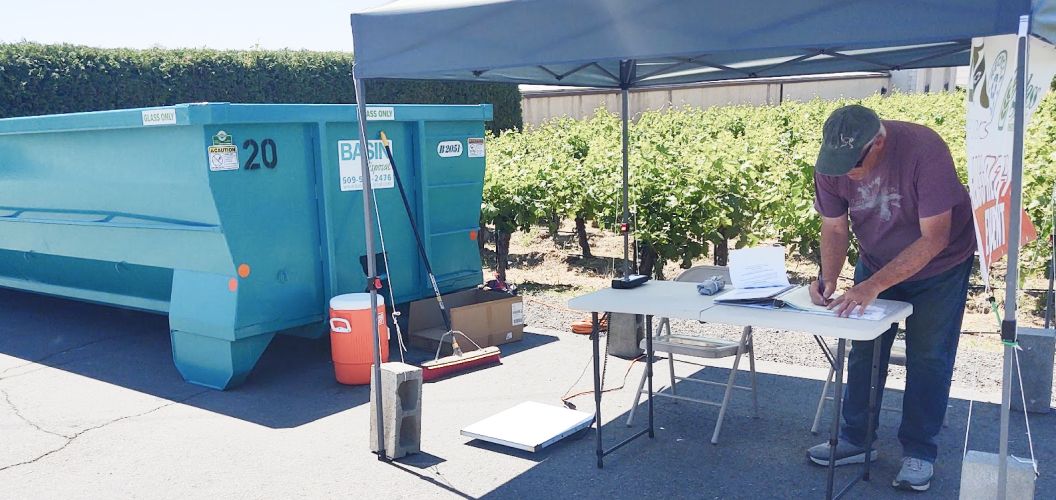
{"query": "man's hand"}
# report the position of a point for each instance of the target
(821, 292)
(857, 298)
(835, 239)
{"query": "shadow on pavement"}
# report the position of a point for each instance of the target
(434, 479)
(756, 458)
(292, 384)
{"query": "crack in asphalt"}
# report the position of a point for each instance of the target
(34, 370)
(58, 353)
(71, 439)
(7, 398)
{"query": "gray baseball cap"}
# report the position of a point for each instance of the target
(846, 133)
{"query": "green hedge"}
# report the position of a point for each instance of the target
(40, 79)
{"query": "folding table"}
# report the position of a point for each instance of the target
(680, 300)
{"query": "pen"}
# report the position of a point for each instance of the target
(821, 289)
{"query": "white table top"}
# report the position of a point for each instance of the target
(680, 300)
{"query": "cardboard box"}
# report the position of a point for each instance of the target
(488, 317)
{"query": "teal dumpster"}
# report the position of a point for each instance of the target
(239, 221)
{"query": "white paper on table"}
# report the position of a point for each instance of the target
(799, 299)
(795, 299)
(749, 293)
(758, 267)
(872, 313)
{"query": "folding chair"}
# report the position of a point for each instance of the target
(701, 347)
(898, 358)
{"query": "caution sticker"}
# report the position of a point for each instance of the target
(475, 147)
(223, 157)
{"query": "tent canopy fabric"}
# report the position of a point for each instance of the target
(640, 43)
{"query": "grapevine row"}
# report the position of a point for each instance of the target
(705, 180)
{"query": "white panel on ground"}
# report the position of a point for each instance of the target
(979, 477)
(529, 426)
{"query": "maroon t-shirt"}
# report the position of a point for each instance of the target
(914, 178)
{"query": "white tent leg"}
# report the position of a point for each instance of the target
(1008, 325)
(368, 229)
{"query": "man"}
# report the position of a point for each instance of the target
(895, 184)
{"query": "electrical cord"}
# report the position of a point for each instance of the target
(586, 326)
(566, 399)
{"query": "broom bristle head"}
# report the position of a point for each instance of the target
(432, 370)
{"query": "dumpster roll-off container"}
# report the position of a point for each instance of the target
(239, 221)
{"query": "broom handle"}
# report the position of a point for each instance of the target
(417, 237)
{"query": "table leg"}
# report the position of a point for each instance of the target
(597, 383)
(873, 389)
(826, 351)
(649, 367)
(837, 403)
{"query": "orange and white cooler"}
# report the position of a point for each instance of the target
(351, 337)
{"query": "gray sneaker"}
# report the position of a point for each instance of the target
(846, 453)
(915, 475)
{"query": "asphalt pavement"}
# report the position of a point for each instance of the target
(92, 407)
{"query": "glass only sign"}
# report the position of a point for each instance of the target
(159, 116)
(378, 113)
(351, 171)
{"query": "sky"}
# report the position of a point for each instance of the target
(216, 24)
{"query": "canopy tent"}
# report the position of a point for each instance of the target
(583, 43)
(639, 43)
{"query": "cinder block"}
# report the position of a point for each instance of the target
(979, 477)
(401, 396)
(626, 332)
(1035, 362)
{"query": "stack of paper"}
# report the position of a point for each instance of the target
(760, 279)
(760, 267)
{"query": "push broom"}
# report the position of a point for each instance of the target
(458, 360)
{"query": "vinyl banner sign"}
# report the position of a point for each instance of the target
(990, 123)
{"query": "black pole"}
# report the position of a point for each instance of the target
(414, 230)
(837, 407)
(594, 332)
(626, 77)
(626, 212)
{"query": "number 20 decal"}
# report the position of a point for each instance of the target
(266, 149)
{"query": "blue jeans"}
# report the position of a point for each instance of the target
(932, 332)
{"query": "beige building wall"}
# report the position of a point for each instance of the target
(539, 106)
(833, 89)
